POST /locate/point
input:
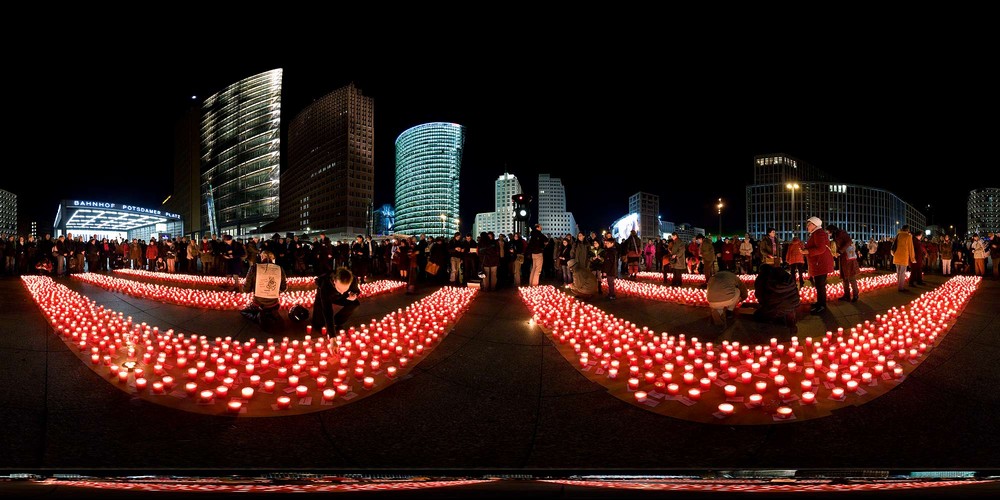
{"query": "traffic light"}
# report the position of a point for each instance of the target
(522, 207)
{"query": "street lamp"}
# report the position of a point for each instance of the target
(719, 206)
(792, 186)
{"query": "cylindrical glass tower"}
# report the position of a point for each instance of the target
(240, 154)
(428, 162)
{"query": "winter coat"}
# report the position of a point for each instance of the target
(820, 258)
(904, 254)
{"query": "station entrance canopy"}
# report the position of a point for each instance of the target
(115, 220)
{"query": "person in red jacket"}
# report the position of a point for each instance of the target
(818, 252)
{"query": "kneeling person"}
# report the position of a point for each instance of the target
(777, 296)
(725, 291)
(265, 281)
(337, 288)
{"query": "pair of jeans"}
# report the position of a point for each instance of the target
(901, 276)
(537, 259)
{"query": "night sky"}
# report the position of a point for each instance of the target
(97, 124)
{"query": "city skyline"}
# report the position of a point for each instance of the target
(689, 155)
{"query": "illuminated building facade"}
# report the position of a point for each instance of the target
(428, 164)
(240, 155)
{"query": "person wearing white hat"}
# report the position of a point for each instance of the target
(820, 257)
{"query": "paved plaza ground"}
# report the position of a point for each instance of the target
(495, 394)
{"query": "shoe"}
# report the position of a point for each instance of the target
(611, 297)
(855, 299)
(844, 298)
(816, 309)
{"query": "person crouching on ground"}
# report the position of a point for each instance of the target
(337, 288)
(777, 296)
(725, 291)
(265, 280)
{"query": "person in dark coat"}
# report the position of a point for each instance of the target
(917, 268)
(610, 264)
(777, 296)
(489, 256)
(337, 288)
(848, 256)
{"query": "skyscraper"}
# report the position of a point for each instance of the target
(648, 207)
(186, 197)
(501, 219)
(328, 180)
(552, 214)
(428, 163)
(240, 155)
(8, 212)
(984, 211)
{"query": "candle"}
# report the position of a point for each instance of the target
(301, 391)
(269, 385)
(756, 399)
(807, 385)
(95, 358)
(761, 387)
(746, 377)
(852, 386)
(234, 406)
(168, 381)
(191, 388)
(329, 394)
(688, 378)
(247, 392)
(726, 409)
(730, 391)
(779, 380)
(293, 380)
(784, 412)
(369, 382)
(633, 384)
(221, 391)
(123, 376)
(808, 398)
(866, 377)
(673, 389)
(254, 380)
(209, 376)
(320, 382)
(342, 389)
(228, 382)
(694, 394)
(206, 396)
(612, 373)
(640, 396)
(284, 402)
(837, 393)
(705, 383)
(391, 372)
(140, 383)
(897, 372)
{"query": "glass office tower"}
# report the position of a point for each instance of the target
(240, 155)
(428, 162)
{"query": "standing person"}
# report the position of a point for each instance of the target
(693, 256)
(610, 264)
(193, 252)
(456, 250)
(152, 253)
(770, 248)
(728, 255)
(746, 254)
(995, 254)
(872, 251)
(903, 255)
(337, 288)
(795, 260)
(515, 248)
(469, 259)
(920, 251)
(932, 254)
(171, 257)
(489, 257)
(650, 253)
(536, 245)
(666, 247)
(632, 246)
(677, 261)
(360, 258)
(596, 257)
(979, 255)
(947, 251)
(707, 258)
(849, 268)
(777, 297)
(820, 260)
(565, 255)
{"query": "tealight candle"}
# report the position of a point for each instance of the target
(756, 399)
(206, 396)
(806, 385)
(633, 384)
(191, 388)
(342, 389)
(694, 394)
(808, 398)
(784, 412)
(247, 392)
(368, 383)
(640, 396)
(779, 380)
(329, 394)
(301, 391)
(837, 393)
(123, 376)
(140, 383)
(726, 409)
(761, 387)
(612, 373)
(673, 389)
(730, 391)
(284, 402)
(221, 391)
(234, 406)
(852, 386)
(705, 383)
(293, 380)
(866, 377)
(254, 380)
(269, 385)
(391, 372)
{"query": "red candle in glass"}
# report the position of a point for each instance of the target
(368, 383)
(284, 402)
(140, 383)
(761, 387)
(852, 386)
(391, 372)
(221, 391)
(694, 394)
(301, 391)
(342, 389)
(640, 396)
(206, 396)
(730, 391)
(746, 377)
(293, 380)
(808, 398)
(756, 399)
(633, 383)
(784, 412)
(705, 383)
(254, 380)
(837, 393)
(673, 389)
(247, 392)
(726, 409)
(785, 392)
(329, 394)
(191, 388)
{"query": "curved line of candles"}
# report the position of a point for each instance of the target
(265, 488)
(217, 299)
(699, 279)
(751, 486)
(699, 296)
(654, 365)
(206, 371)
(191, 279)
